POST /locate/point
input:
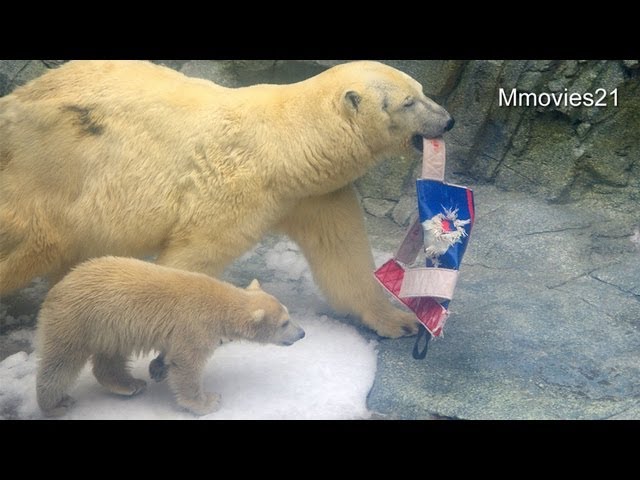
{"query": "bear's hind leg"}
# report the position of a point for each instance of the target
(56, 374)
(21, 265)
(27, 250)
(112, 373)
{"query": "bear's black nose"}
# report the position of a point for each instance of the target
(449, 124)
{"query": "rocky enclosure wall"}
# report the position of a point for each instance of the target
(564, 154)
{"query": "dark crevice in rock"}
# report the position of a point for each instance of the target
(572, 279)
(598, 177)
(507, 150)
(559, 230)
(618, 287)
(515, 172)
(488, 267)
(438, 416)
(591, 304)
(482, 215)
(607, 417)
(53, 63)
(453, 83)
(612, 237)
(22, 69)
(597, 307)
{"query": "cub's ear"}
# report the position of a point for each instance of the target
(352, 100)
(254, 285)
(258, 315)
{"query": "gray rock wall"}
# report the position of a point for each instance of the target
(563, 154)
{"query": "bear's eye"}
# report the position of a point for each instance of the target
(409, 102)
(285, 324)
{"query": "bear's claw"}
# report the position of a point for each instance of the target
(393, 324)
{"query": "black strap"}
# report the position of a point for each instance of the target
(417, 354)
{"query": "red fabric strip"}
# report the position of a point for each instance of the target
(470, 205)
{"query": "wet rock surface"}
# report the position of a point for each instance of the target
(544, 325)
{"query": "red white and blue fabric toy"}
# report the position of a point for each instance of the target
(441, 231)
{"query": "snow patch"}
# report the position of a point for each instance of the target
(285, 256)
(326, 375)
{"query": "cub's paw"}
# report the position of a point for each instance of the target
(128, 388)
(137, 386)
(205, 404)
(393, 323)
(158, 370)
(61, 408)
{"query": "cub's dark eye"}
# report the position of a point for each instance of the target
(409, 102)
(285, 324)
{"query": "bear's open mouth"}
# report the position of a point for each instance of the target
(417, 140)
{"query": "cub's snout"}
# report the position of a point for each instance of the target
(291, 334)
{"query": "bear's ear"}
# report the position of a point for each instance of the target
(352, 100)
(258, 315)
(254, 285)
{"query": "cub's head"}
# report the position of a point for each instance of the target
(269, 320)
(389, 108)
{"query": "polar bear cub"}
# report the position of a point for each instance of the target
(112, 307)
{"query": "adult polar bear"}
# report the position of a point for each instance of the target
(130, 158)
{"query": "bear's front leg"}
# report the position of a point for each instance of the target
(330, 231)
(185, 381)
(195, 251)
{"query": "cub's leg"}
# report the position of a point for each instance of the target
(330, 231)
(58, 369)
(196, 252)
(112, 373)
(185, 381)
(158, 369)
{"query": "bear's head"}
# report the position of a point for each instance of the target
(269, 320)
(388, 108)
